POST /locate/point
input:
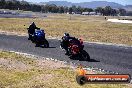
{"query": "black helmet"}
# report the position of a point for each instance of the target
(66, 34)
(32, 23)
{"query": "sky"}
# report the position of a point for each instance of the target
(123, 2)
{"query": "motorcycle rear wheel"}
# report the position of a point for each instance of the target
(85, 56)
(46, 44)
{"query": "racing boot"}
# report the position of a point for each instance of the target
(30, 36)
(37, 45)
(67, 53)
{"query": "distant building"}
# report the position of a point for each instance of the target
(85, 13)
(73, 12)
(98, 13)
(67, 13)
(15, 13)
(78, 12)
(5, 12)
(90, 13)
(1, 12)
(70, 13)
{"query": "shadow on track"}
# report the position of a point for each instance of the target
(91, 60)
(83, 56)
(46, 47)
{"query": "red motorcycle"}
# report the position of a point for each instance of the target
(76, 50)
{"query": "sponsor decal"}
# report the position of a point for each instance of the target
(83, 77)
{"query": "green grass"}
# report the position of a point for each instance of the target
(14, 56)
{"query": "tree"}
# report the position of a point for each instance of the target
(108, 11)
(70, 10)
(65, 9)
(45, 8)
(2, 4)
(61, 9)
(54, 8)
(122, 12)
(85, 10)
(74, 9)
(79, 9)
(89, 10)
(23, 5)
(9, 5)
(99, 10)
(114, 12)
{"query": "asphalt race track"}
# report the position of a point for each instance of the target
(16, 16)
(107, 57)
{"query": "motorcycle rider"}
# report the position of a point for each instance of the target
(66, 39)
(65, 42)
(31, 30)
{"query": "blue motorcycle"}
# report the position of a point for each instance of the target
(38, 37)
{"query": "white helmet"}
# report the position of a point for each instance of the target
(66, 34)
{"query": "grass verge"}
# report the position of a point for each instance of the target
(39, 74)
(90, 28)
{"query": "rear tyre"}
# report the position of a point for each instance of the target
(32, 38)
(46, 44)
(85, 56)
